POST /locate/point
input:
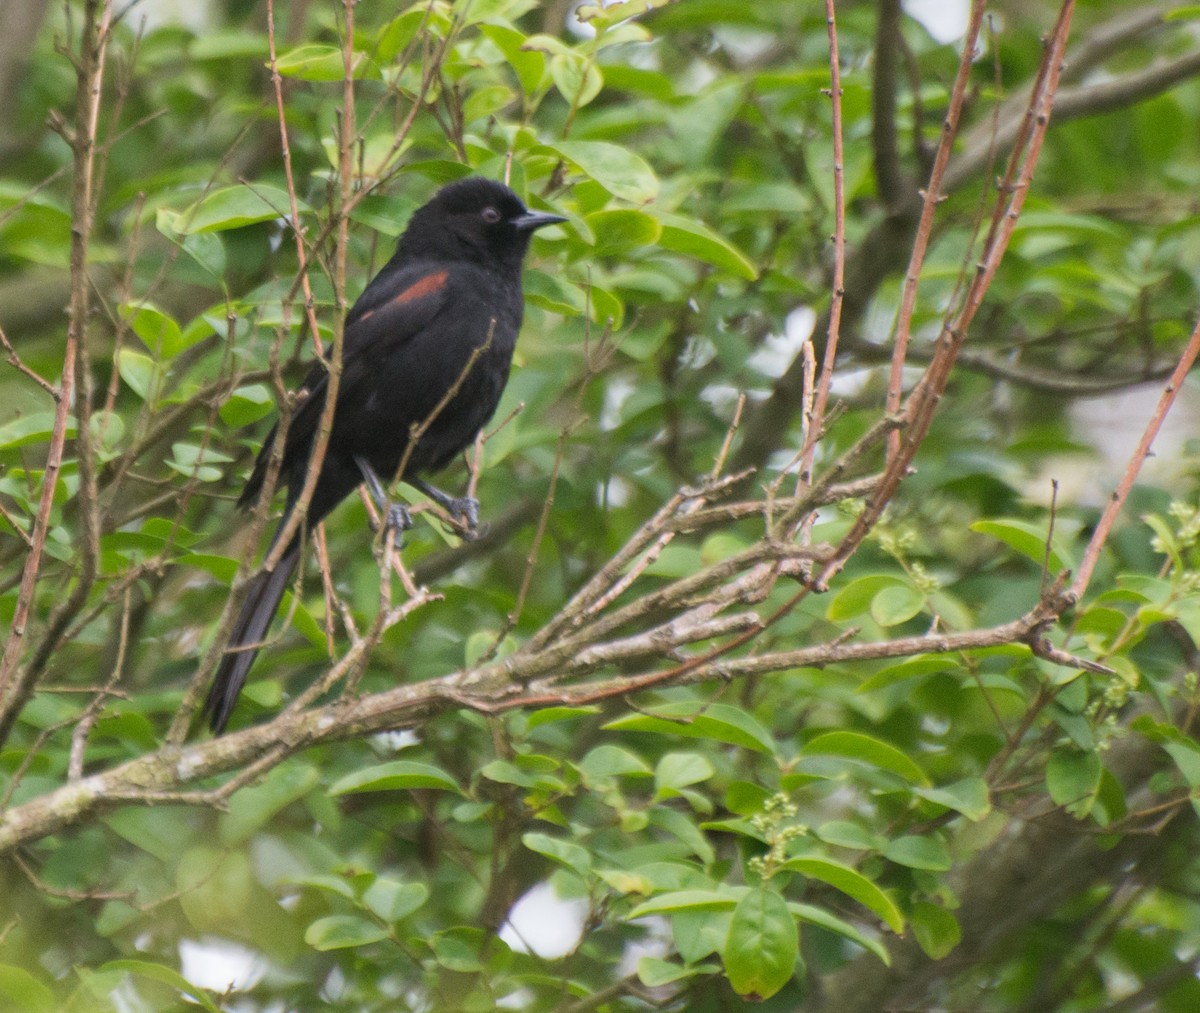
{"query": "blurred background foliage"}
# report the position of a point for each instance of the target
(978, 830)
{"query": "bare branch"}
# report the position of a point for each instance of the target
(1100, 535)
(17, 684)
(491, 688)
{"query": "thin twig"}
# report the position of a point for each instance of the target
(16, 685)
(923, 402)
(333, 362)
(14, 360)
(930, 198)
(1091, 554)
(839, 245)
(96, 704)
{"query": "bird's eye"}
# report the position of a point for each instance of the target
(490, 215)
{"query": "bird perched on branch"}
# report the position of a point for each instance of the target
(425, 357)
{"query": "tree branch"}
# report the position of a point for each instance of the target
(519, 681)
(888, 244)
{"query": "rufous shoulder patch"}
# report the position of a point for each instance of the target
(425, 286)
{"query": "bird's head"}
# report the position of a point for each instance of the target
(474, 219)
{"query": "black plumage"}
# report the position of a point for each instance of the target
(427, 349)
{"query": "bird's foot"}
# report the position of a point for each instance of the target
(465, 509)
(397, 520)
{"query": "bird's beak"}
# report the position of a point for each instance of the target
(531, 220)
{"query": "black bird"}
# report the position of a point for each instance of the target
(426, 350)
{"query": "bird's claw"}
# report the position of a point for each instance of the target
(398, 521)
(465, 509)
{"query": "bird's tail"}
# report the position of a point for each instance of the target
(258, 609)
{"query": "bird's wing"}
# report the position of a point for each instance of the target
(396, 287)
(389, 313)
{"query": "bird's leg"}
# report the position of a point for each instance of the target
(396, 515)
(465, 508)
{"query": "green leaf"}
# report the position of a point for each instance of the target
(603, 15)
(342, 932)
(158, 331)
(495, 10)
(1094, 228)
(684, 828)
(619, 230)
(855, 598)
(36, 427)
(624, 882)
(895, 605)
(537, 763)
(317, 62)
(571, 855)
(718, 722)
(458, 949)
(1186, 755)
(746, 798)
(611, 761)
(236, 206)
(1183, 749)
(654, 973)
(527, 63)
(246, 405)
(1027, 539)
(1110, 800)
(1164, 539)
(549, 44)
(194, 461)
(853, 884)
(395, 775)
(1073, 778)
(485, 102)
(617, 169)
(683, 235)
(165, 975)
(845, 834)
(140, 372)
(552, 715)
(554, 294)
(637, 82)
(164, 839)
(252, 807)
(330, 884)
(211, 323)
(819, 916)
(970, 796)
(927, 853)
(221, 567)
(686, 900)
(865, 749)
(699, 932)
(477, 645)
(576, 77)
(762, 949)
(229, 44)
(392, 900)
(677, 770)
(24, 993)
(218, 890)
(910, 668)
(503, 772)
(936, 929)
(108, 430)
(375, 155)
